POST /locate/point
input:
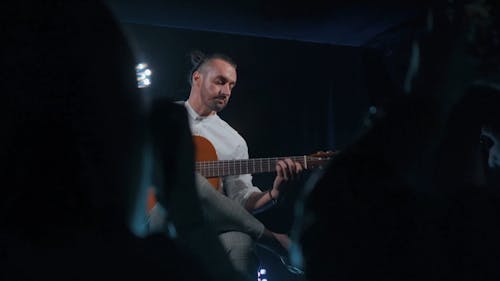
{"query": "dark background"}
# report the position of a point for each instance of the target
(292, 97)
(307, 78)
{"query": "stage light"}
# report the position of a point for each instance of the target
(143, 75)
(141, 66)
(262, 274)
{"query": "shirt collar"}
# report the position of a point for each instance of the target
(194, 115)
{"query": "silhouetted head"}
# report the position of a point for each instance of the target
(467, 146)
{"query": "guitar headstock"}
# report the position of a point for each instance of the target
(320, 158)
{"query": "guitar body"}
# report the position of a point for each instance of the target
(205, 151)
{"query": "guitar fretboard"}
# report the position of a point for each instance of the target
(221, 168)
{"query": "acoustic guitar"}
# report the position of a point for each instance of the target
(212, 169)
(208, 165)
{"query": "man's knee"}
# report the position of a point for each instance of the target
(237, 241)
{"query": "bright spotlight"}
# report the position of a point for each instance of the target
(262, 274)
(143, 75)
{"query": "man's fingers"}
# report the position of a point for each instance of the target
(281, 169)
(290, 165)
(287, 168)
(298, 168)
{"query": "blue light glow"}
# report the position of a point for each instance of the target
(143, 75)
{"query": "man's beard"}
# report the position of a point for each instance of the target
(216, 105)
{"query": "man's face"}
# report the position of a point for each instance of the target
(492, 140)
(216, 80)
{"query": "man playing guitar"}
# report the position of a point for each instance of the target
(228, 204)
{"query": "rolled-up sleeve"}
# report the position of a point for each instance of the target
(239, 188)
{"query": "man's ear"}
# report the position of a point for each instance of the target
(196, 76)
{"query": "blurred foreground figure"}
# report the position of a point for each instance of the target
(72, 141)
(378, 212)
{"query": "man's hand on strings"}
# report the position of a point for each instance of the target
(286, 170)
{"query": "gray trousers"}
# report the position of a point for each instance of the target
(240, 249)
(236, 228)
(224, 214)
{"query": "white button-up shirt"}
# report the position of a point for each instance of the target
(229, 145)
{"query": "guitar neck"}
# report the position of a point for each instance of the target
(222, 168)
